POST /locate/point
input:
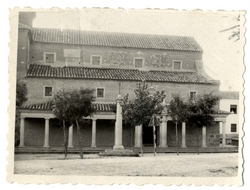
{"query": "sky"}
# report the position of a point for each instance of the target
(221, 57)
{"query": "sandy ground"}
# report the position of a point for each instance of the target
(171, 165)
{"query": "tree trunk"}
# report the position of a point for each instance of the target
(79, 138)
(141, 141)
(177, 141)
(197, 134)
(65, 133)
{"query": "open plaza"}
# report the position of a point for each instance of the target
(169, 165)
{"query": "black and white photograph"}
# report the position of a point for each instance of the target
(136, 94)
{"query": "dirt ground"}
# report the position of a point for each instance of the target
(171, 165)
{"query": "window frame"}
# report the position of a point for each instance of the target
(143, 60)
(233, 124)
(103, 92)
(195, 94)
(231, 108)
(91, 59)
(173, 62)
(44, 56)
(44, 91)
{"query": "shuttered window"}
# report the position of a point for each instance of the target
(138, 63)
(49, 58)
(177, 65)
(96, 60)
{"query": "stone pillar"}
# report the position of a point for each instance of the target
(21, 144)
(204, 137)
(46, 133)
(70, 140)
(183, 135)
(223, 123)
(93, 141)
(138, 136)
(163, 132)
(118, 125)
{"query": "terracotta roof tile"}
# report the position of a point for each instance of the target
(112, 39)
(100, 107)
(229, 94)
(116, 74)
(222, 112)
(47, 106)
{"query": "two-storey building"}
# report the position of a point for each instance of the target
(110, 63)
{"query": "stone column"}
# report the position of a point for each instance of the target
(21, 144)
(93, 141)
(46, 133)
(204, 137)
(163, 132)
(183, 135)
(138, 135)
(118, 125)
(70, 143)
(223, 123)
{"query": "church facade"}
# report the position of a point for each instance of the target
(112, 64)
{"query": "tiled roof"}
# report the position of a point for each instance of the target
(222, 112)
(47, 106)
(111, 39)
(116, 74)
(99, 107)
(229, 94)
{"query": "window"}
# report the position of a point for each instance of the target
(96, 59)
(100, 92)
(49, 57)
(177, 65)
(138, 62)
(48, 91)
(233, 109)
(233, 128)
(192, 95)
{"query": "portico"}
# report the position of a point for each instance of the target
(115, 134)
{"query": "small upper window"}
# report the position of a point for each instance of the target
(233, 128)
(138, 62)
(48, 91)
(233, 109)
(177, 65)
(50, 57)
(96, 60)
(192, 95)
(100, 92)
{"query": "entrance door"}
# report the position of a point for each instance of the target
(148, 138)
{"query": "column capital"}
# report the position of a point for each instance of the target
(47, 118)
(22, 117)
(94, 119)
(164, 119)
(119, 98)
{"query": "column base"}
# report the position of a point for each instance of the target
(21, 146)
(45, 146)
(163, 146)
(204, 146)
(137, 146)
(70, 146)
(118, 147)
(184, 146)
(93, 146)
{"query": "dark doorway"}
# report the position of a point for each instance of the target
(148, 138)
